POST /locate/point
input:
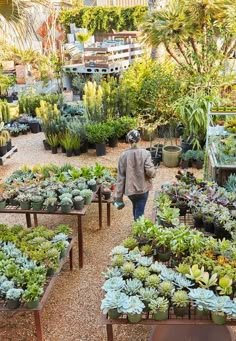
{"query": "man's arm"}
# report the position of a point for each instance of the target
(150, 170)
(120, 188)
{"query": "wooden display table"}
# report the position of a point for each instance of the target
(38, 311)
(97, 198)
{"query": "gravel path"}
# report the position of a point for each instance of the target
(72, 311)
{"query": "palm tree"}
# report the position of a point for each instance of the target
(198, 34)
(15, 17)
(83, 37)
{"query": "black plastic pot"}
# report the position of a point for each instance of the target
(198, 222)
(3, 150)
(76, 152)
(63, 149)
(91, 145)
(220, 232)
(156, 160)
(113, 142)
(9, 145)
(34, 127)
(84, 147)
(46, 145)
(69, 152)
(209, 227)
(54, 150)
(186, 146)
(184, 164)
(199, 164)
(100, 149)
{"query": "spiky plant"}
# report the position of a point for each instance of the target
(141, 273)
(166, 288)
(180, 299)
(152, 281)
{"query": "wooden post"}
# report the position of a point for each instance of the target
(80, 242)
(38, 323)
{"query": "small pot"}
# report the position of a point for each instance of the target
(198, 222)
(180, 311)
(13, 304)
(76, 152)
(184, 164)
(93, 187)
(50, 272)
(88, 200)
(160, 315)
(46, 145)
(106, 195)
(69, 152)
(34, 127)
(84, 147)
(113, 313)
(134, 318)
(218, 318)
(79, 205)
(37, 206)
(156, 159)
(66, 208)
(201, 313)
(208, 226)
(63, 253)
(163, 256)
(52, 208)
(32, 304)
(199, 164)
(25, 205)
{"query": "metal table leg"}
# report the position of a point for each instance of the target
(71, 259)
(35, 219)
(80, 242)
(38, 323)
(100, 206)
(28, 219)
(108, 214)
(109, 332)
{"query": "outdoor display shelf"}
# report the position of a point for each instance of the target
(49, 285)
(97, 198)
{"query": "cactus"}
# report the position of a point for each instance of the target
(6, 134)
(4, 112)
(2, 141)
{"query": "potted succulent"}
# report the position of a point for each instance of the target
(134, 309)
(180, 302)
(66, 204)
(92, 184)
(87, 195)
(106, 193)
(201, 298)
(182, 205)
(24, 200)
(159, 308)
(166, 288)
(78, 202)
(36, 202)
(13, 298)
(169, 216)
(199, 158)
(219, 307)
(184, 160)
(31, 296)
(51, 204)
(114, 303)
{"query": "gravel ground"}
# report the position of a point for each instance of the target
(72, 312)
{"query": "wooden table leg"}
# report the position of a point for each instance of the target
(80, 242)
(28, 219)
(108, 214)
(109, 332)
(71, 259)
(35, 219)
(100, 206)
(38, 323)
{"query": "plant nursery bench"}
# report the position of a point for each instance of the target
(79, 214)
(38, 311)
(188, 320)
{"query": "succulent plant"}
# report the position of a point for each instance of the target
(145, 261)
(133, 255)
(130, 243)
(36, 198)
(160, 304)
(132, 286)
(119, 250)
(50, 201)
(206, 281)
(167, 274)
(201, 297)
(221, 304)
(92, 182)
(180, 299)
(86, 193)
(157, 267)
(6, 285)
(66, 201)
(225, 286)
(114, 283)
(128, 268)
(75, 192)
(78, 198)
(146, 249)
(141, 273)
(65, 196)
(14, 294)
(183, 268)
(195, 273)
(148, 294)
(115, 300)
(181, 282)
(166, 288)
(135, 305)
(118, 260)
(112, 272)
(152, 281)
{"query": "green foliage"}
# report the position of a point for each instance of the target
(104, 19)
(98, 133)
(28, 101)
(4, 111)
(93, 101)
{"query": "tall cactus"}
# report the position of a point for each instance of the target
(4, 112)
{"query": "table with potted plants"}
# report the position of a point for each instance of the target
(65, 190)
(30, 262)
(169, 273)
